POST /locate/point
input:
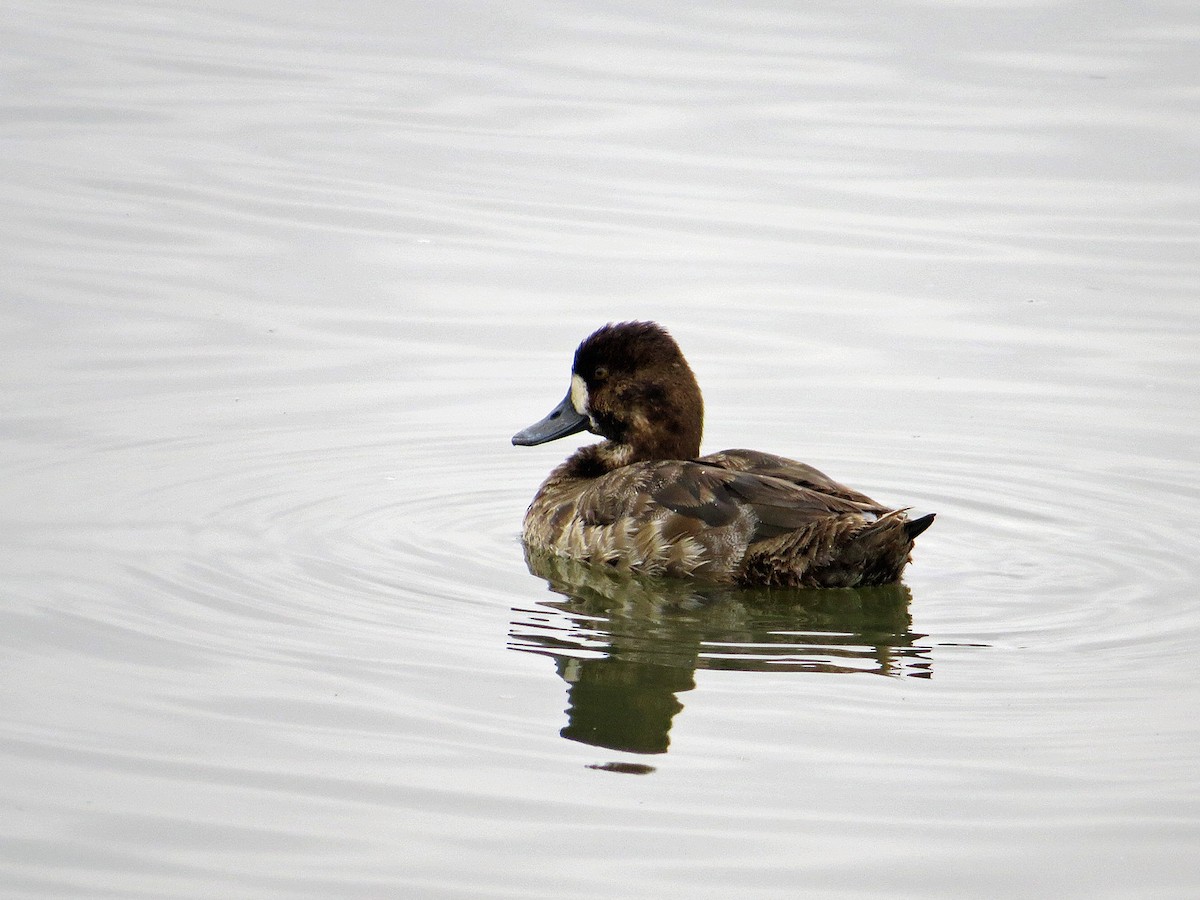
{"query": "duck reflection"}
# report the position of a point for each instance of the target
(627, 647)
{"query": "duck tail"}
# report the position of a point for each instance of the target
(918, 525)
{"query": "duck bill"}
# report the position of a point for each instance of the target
(562, 421)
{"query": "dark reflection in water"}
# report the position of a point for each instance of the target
(627, 647)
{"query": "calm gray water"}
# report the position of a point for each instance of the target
(280, 281)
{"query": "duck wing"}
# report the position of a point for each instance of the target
(719, 496)
(723, 489)
(789, 470)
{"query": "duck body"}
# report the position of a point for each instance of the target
(644, 501)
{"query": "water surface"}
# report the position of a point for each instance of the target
(282, 281)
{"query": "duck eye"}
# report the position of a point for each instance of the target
(601, 373)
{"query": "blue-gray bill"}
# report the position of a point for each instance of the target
(561, 421)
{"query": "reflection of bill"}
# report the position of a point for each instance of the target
(628, 646)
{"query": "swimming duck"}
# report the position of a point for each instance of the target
(643, 500)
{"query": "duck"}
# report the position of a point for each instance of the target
(643, 501)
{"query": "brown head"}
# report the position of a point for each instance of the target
(631, 385)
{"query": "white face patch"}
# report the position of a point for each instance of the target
(579, 395)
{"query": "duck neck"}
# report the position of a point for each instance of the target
(599, 459)
(668, 432)
(678, 439)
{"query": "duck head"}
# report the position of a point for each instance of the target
(631, 385)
